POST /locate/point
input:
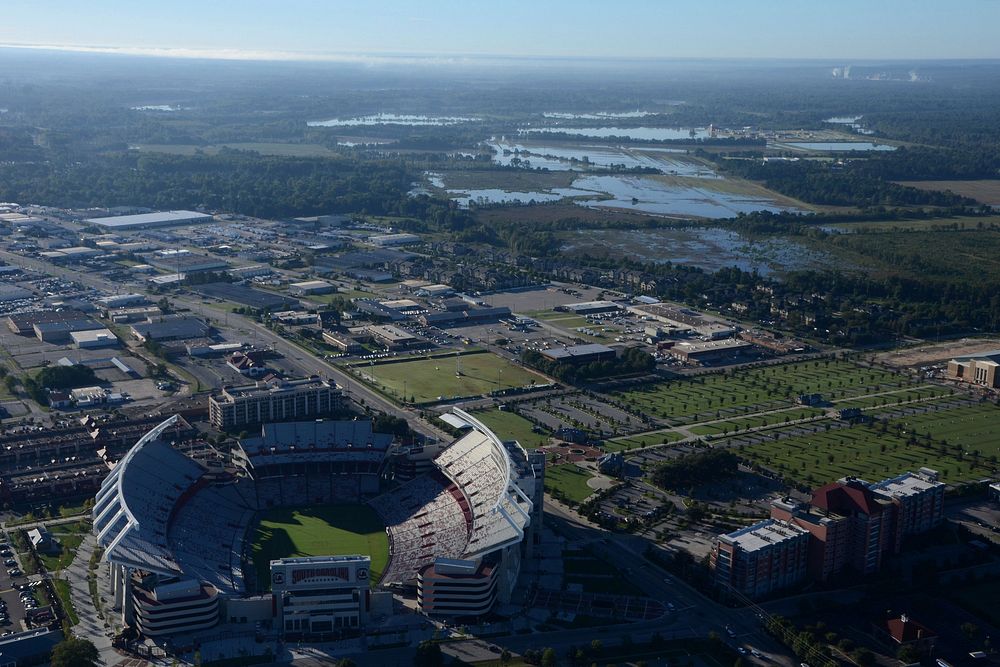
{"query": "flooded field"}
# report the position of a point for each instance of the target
(834, 146)
(689, 191)
(649, 195)
(597, 115)
(583, 156)
(639, 133)
(710, 248)
(390, 119)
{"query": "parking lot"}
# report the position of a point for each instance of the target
(20, 597)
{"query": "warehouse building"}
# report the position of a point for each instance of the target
(391, 337)
(709, 351)
(590, 307)
(581, 354)
(94, 339)
(59, 331)
(388, 240)
(149, 220)
(175, 328)
(116, 301)
(185, 261)
(308, 287)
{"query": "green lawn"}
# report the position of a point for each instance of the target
(641, 440)
(861, 451)
(742, 423)
(511, 426)
(322, 530)
(570, 480)
(433, 380)
(719, 396)
(973, 428)
(69, 536)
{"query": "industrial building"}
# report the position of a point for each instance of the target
(93, 339)
(389, 240)
(185, 261)
(272, 401)
(709, 351)
(581, 354)
(116, 301)
(685, 319)
(590, 307)
(173, 328)
(393, 338)
(148, 220)
(61, 331)
(308, 287)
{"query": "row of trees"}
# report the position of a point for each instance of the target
(632, 361)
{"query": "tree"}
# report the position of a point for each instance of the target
(74, 652)
(346, 662)
(428, 655)
(549, 657)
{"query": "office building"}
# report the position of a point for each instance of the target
(273, 401)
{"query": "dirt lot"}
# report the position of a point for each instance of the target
(937, 353)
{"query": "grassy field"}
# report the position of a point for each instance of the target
(756, 390)
(323, 530)
(431, 380)
(985, 191)
(641, 440)
(511, 426)
(860, 451)
(975, 428)
(767, 419)
(570, 479)
(898, 396)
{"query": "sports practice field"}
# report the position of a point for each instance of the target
(323, 530)
(425, 380)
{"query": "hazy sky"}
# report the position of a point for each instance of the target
(844, 29)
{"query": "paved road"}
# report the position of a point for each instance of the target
(305, 360)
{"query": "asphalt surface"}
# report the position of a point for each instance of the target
(303, 359)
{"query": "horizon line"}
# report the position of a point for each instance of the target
(251, 55)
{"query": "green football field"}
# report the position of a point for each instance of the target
(440, 378)
(322, 530)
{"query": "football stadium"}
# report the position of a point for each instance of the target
(311, 528)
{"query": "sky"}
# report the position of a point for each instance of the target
(344, 29)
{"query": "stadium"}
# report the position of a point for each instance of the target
(310, 528)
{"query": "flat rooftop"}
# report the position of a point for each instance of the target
(762, 535)
(577, 351)
(149, 219)
(905, 485)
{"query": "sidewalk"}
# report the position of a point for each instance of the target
(91, 626)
